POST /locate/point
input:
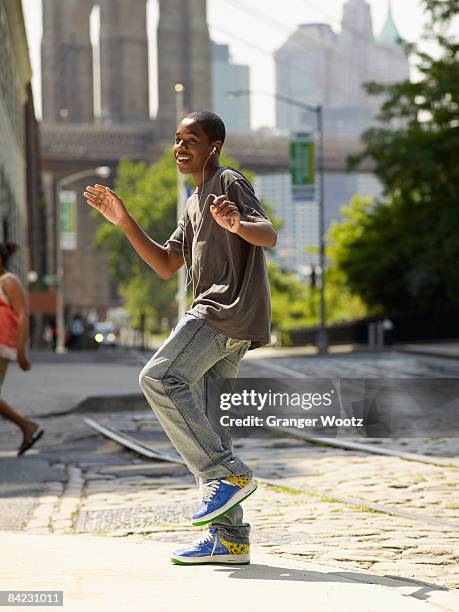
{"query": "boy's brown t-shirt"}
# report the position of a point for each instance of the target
(230, 278)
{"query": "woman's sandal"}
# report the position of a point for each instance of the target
(37, 434)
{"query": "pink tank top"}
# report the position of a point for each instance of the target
(8, 324)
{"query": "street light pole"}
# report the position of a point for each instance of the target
(322, 339)
(181, 292)
(103, 172)
(322, 336)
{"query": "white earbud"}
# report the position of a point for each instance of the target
(214, 150)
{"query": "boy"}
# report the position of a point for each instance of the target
(219, 239)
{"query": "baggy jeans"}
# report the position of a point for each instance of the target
(175, 382)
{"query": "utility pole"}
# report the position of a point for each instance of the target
(322, 339)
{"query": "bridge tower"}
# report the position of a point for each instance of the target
(183, 57)
(66, 62)
(123, 61)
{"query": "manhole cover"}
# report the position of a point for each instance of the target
(135, 518)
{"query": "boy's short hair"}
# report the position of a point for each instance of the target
(212, 125)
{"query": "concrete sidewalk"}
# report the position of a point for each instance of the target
(98, 574)
(448, 349)
(59, 387)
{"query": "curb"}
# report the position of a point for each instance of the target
(40, 521)
(103, 403)
(69, 502)
(427, 353)
(54, 512)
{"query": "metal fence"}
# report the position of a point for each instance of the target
(435, 325)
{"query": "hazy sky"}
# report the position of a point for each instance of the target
(253, 29)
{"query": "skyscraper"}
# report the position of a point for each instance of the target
(303, 72)
(227, 76)
(388, 46)
(316, 65)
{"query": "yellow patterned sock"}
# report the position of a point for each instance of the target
(238, 481)
(234, 548)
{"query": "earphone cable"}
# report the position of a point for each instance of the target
(189, 271)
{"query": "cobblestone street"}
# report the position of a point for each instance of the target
(314, 503)
(155, 501)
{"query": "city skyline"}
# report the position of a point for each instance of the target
(233, 22)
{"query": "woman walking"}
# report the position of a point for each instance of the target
(14, 333)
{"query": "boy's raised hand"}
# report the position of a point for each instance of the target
(226, 214)
(107, 203)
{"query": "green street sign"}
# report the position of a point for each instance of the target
(302, 161)
(68, 220)
(302, 168)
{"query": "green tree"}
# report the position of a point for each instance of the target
(400, 254)
(359, 266)
(290, 300)
(295, 304)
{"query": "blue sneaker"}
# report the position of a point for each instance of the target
(220, 495)
(212, 548)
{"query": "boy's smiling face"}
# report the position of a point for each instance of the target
(192, 147)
